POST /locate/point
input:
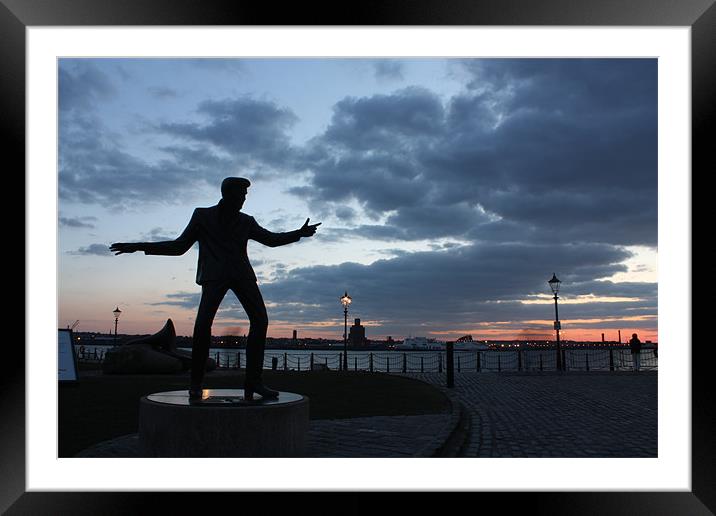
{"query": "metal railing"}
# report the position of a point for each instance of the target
(527, 360)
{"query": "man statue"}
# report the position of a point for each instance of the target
(222, 232)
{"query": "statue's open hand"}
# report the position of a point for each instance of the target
(306, 230)
(119, 248)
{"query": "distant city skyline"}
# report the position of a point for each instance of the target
(449, 190)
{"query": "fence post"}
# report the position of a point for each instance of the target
(499, 364)
(519, 360)
(450, 365)
(422, 368)
(540, 362)
(355, 363)
(387, 363)
(405, 363)
(458, 363)
(440, 362)
(285, 361)
(611, 359)
(479, 361)
(311, 361)
(370, 362)
(564, 359)
(274, 363)
(586, 357)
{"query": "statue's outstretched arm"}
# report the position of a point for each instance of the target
(175, 247)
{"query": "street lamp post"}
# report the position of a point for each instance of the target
(117, 312)
(345, 301)
(554, 285)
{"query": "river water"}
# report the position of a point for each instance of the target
(423, 361)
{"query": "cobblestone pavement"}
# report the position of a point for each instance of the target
(591, 414)
(378, 436)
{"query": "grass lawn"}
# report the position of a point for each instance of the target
(101, 407)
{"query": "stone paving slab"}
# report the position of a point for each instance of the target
(557, 415)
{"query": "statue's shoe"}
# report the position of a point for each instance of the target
(259, 388)
(195, 394)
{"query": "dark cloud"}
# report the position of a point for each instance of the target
(545, 147)
(159, 235)
(162, 92)
(218, 64)
(77, 222)
(255, 130)
(95, 167)
(388, 69)
(92, 250)
(81, 84)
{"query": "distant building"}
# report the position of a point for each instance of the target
(356, 335)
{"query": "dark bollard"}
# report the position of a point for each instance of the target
(440, 362)
(370, 362)
(238, 360)
(450, 365)
(479, 362)
(274, 363)
(422, 367)
(299, 363)
(611, 359)
(458, 364)
(311, 361)
(586, 358)
(355, 363)
(285, 361)
(499, 364)
(387, 364)
(405, 363)
(519, 360)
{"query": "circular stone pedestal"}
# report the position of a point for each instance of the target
(223, 424)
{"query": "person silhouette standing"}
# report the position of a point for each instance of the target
(635, 345)
(223, 232)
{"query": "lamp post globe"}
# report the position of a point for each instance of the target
(345, 301)
(554, 284)
(117, 312)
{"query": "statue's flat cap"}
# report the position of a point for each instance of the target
(231, 183)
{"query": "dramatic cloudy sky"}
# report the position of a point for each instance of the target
(449, 191)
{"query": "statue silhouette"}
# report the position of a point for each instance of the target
(223, 232)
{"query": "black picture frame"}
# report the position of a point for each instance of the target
(700, 15)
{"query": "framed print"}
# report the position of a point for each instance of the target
(83, 54)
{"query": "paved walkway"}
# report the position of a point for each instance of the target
(379, 436)
(595, 414)
(591, 414)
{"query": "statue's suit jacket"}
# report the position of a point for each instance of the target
(222, 238)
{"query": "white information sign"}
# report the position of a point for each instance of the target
(66, 362)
